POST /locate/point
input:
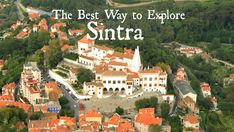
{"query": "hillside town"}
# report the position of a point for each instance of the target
(67, 82)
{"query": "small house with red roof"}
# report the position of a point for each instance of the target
(2, 62)
(145, 118)
(191, 121)
(118, 124)
(75, 32)
(90, 121)
(205, 89)
(85, 44)
(33, 16)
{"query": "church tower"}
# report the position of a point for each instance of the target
(136, 61)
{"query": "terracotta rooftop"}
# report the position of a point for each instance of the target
(205, 87)
(115, 63)
(232, 76)
(66, 47)
(9, 86)
(191, 118)
(93, 113)
(23, 106)
(114, 120)
(122, 55)
(146, 117)
(86, 40)
(156, 69)
(114, 73)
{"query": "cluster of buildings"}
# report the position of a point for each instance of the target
(187, 100)
(189, 51)
(206, 92)
(95, 121)
(118, 71)
(7, 98)
(42, 96)
(63, 124)
(54, 29)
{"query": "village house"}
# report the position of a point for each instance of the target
(25, 107)
(85, 44)
(33, 16)
(181, 74)
(65, 124)
(153, 80)
(16, 25)
(189, 51)
(30, 82)
(73, 32)
(35, 27)
(190, 121)
(23, 33)
(166, 98)
(184, 90)
(2, 62)
(56, 27)
(66, 48)
(8, 92)
(52, 91)
(43, 25)
(229, 80)
(90, 121)
(205, 89)
(73, 74)
(145, 118)
(93, 88)
(116, 123)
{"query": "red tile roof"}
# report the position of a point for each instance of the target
(33, 16)
(9, 86)
(125, 126)
(86, 40)
(152, 70)
(93, 113)
(232, 76)
(115, 63)
(146, 117)
(114, 120)
(66, 47)
(25, 107)
(205, 87)
(2, 62)
(191, 118)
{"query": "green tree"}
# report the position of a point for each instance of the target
(119, 110)
(85, 75)
(151, 102)
(54, 55)
(208, 104)
(36, 115)
(155, 128)
(165, 109)
(63, 101)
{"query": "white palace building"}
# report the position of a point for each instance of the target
(118, 71)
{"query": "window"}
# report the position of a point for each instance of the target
(150, 85)
(104, 81)
(145, 79)
(150, 79)
(145, 85)
(114, 82)
(109, 82)
(119, 82)
(123, 81)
